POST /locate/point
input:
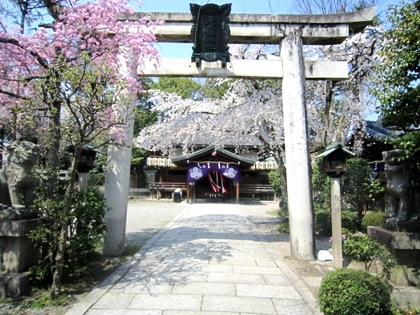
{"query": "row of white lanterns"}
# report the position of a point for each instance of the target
(162, 162)
(264, 165)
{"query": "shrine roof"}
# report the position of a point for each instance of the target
(212, 153)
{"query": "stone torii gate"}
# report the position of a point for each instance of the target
(291, 32)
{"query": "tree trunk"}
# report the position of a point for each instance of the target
(279, 156)
(53, 144)
(59, 258)
(2, 135)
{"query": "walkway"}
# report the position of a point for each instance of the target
(209, 260)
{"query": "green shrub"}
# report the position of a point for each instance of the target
(360, 187)
(349, 220)
(283, 226)
(86, 228)
(321, 190)
(364, 249)
(351, 292)
(345, 232)
(275, 180)
(372, 219)
(323, 222)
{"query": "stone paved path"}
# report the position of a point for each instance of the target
(209, 260)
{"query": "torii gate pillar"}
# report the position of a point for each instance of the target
(299, 187)
(117, 180)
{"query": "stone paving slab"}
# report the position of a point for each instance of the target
(236, 278)
(291, 307)
(238, 304)
(205, 288)
(186, 302)
(267, 291)
(115, 301)
(126, 312)
(200, 313)
(210, 260)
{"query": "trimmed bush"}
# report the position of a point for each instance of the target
(349, 220)
(351, 292)
(372, 219)
(323, 222)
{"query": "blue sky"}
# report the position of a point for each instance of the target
(238, 6)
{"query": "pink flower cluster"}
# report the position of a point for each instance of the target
(87, 35)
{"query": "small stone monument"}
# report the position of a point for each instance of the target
(401, 229)
(17, 184)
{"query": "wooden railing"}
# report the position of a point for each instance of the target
(261, 190)
(256, 188)
(167, 186)
(155, 189)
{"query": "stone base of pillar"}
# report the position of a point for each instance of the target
(406, 249)
(16, 256)
(14, 285)
(114, 239)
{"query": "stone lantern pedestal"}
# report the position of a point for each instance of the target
(405, 246)
(16, 253)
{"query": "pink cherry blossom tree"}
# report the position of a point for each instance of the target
(337, 107)
(60, 83)
(249, 113)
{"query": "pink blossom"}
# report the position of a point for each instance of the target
(89, 29)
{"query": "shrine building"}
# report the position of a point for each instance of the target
(211, 174)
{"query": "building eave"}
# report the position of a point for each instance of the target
(212, 149)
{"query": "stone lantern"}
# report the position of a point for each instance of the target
(210, 33)
(85, 165)
(334, 161)
(334, 158)
(87, 159)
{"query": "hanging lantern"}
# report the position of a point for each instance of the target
(210, 33)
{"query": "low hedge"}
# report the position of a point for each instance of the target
(372, 219)
(323, 222)
(351, 292)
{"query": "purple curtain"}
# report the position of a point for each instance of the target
(198, 171)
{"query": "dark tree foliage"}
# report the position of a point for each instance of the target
(183, 87)
(397, 86)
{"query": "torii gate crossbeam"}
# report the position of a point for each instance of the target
(291, 32)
